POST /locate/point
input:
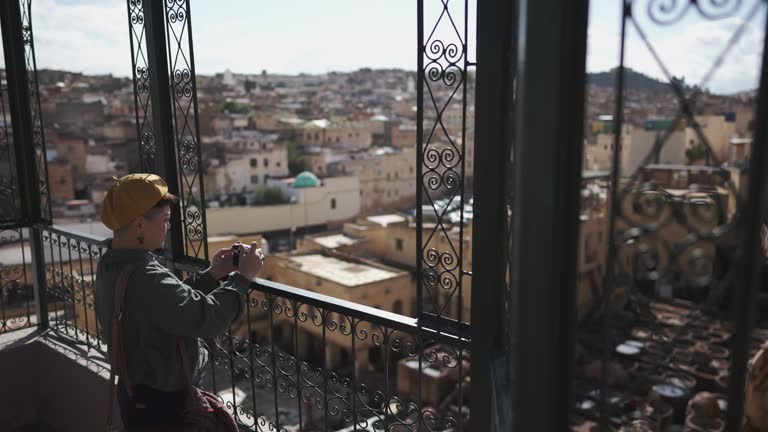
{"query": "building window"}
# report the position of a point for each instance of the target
(318, 282)
(254, 163)
(266, 163)
(277, 164)
(333, 203)
(397, 307)
(255, 179)
(263, 146)
(399, 244)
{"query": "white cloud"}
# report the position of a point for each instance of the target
(688, 50)
(93, 37)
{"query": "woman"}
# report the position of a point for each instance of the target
(160, 308)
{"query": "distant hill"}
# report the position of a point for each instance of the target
(632, 80)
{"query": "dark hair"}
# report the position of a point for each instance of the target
(168, 200)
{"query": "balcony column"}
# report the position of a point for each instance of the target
(162, 116)
(31, 182)
(489, 396)
(549, 123)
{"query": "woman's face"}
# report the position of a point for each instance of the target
(155, 228)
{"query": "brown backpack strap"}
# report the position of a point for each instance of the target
(117, 358)
(185, 363)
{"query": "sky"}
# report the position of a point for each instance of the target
(312, 36)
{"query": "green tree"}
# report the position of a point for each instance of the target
(271, 195)
(695, 153)
(295, 159)
(236, 107)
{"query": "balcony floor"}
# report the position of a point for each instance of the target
(48, 380)
(35, 427)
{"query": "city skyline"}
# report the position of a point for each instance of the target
(368, 34)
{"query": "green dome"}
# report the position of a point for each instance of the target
(306, 179)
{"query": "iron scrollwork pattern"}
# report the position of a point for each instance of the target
(187, 136)
(289, 364)
(141, 86)
(70, 266)
(16, 293)
(672, 252)
(38, 137)
(441, 149)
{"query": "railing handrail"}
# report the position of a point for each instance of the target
(58, 229)
(356, 310)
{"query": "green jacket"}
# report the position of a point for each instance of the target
(158, 309)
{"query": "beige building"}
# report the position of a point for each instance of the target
(226, 122)
(342, 278)
(317, 163)
(248, 163)
(404, 136)
(641, 143)
(453, 119)
(342, 243)
(716, 129)
(335, 201)
(317, 160)
(60, 180)
(739, 150)
(348, 135)
(387, 178)
(598, 155)
(72, 148)
(268, 121)
(404, 107)
(718, 132)
(745, 115)
(392, 238)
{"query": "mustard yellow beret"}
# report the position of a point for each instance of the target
(130, 197)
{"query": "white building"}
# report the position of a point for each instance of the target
(246, 161)
(331, 201)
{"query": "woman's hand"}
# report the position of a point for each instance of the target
(221, 265)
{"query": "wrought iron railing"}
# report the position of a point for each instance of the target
(294, 360)
(312, 362)
(17, 302)
(70, 266)
(672, 329)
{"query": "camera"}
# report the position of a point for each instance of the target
(236, 254)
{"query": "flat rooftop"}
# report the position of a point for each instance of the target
(335, 240)
(386, 219)
(342, 272)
